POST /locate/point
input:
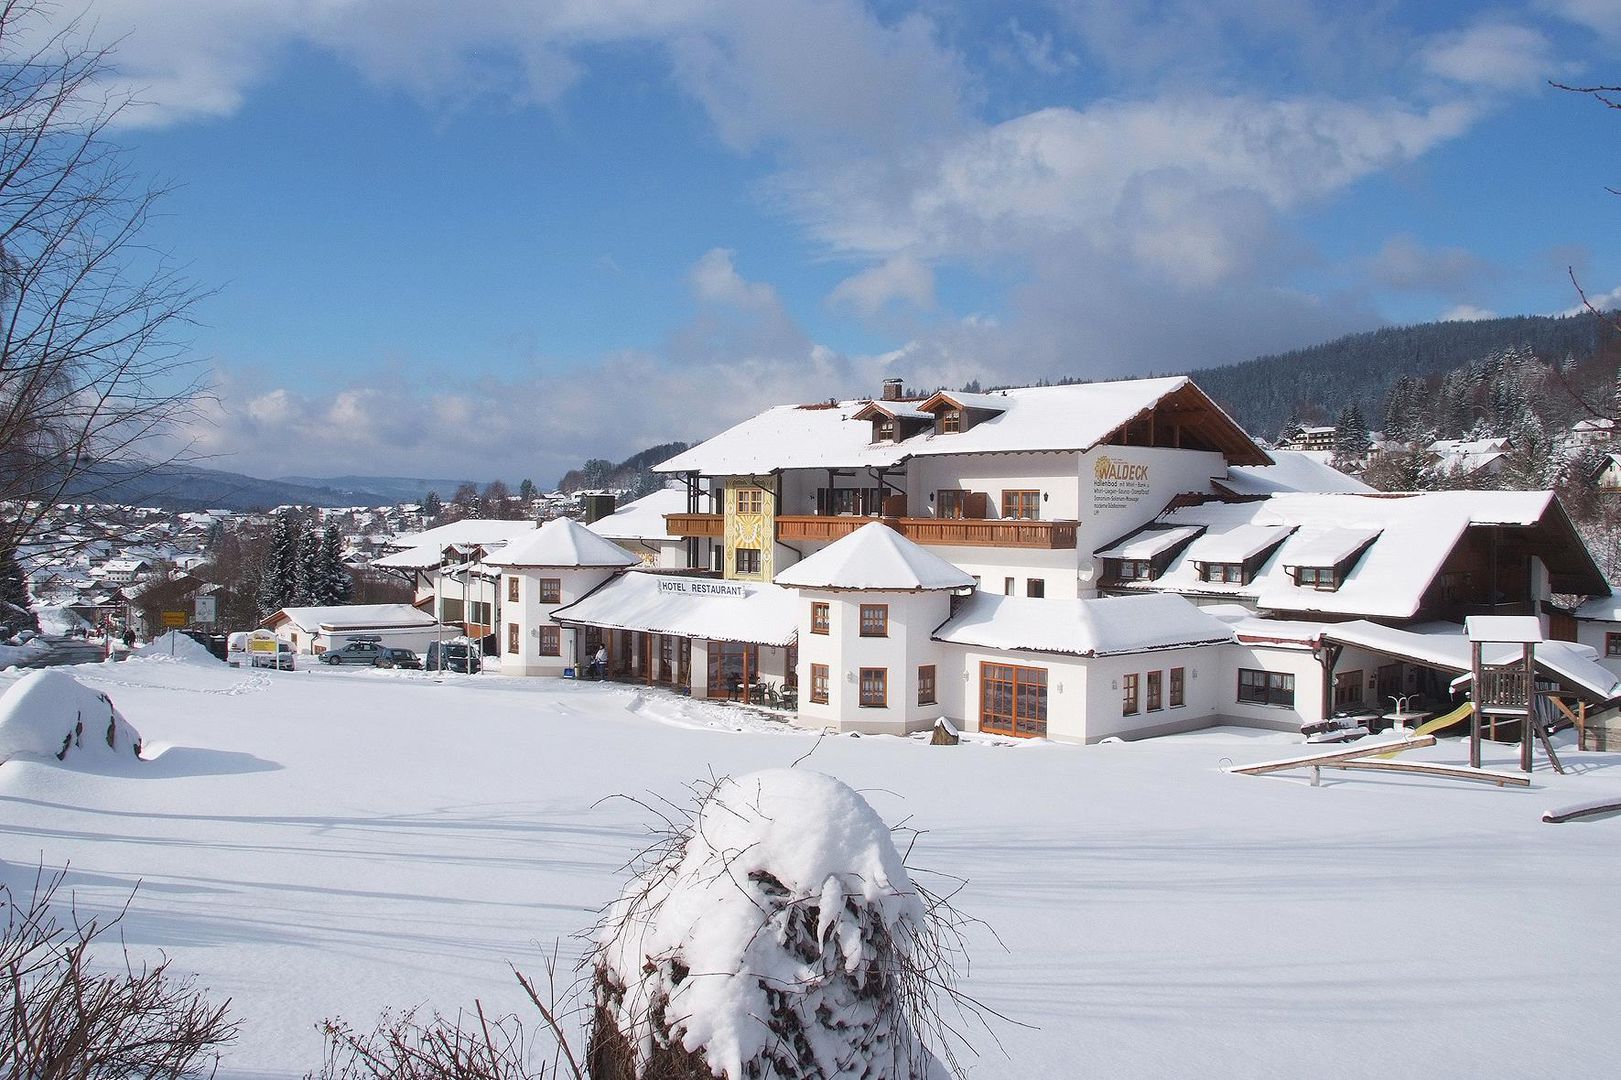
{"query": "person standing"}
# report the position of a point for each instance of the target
(599, 662)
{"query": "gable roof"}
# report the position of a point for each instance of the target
(644, 518)
(1103, 626)
(1027, 419)
(1291, 470)
(482, 531)
(350, 617)
(875, 557)
(562, 542)
(752, 612)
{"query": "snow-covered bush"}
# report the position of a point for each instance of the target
(177, 646)
(776, 933)
(50, 714)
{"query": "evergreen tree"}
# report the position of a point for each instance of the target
(307, 590)
(335, 585)
(1351, 434)
(279, 582)
(527, 491)
(15, 611)
(432, 505)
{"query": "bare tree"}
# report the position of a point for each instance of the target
(91, 370)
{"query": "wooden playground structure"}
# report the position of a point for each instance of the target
(1501, 692)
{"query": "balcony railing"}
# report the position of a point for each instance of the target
(693, 524)
(956, 532)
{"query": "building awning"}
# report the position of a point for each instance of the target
(755, 613)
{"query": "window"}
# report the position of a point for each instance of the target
(1320, 578)
(513, 585)
(1155, 699)
(1266, 688)
(925, 684)
(853, 502)
(1612, 644)
(819, 618)
(874, 620)
(885, 429)
(1347, 689)
(1134, 570)
(1230, 572)
(512, 637)
(818, 684)
(1129, 689)
(750, 500)
(450, 611)
(1177, 683)
(950, 421)
(949, 503)
(874, 688)
(551, 590)
(551, 640)
(1021, 504)
(479, 612)
(748, 560)
(1035, 587)
(1008, 585)
(1013, 700)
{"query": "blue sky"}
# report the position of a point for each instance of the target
(498, 237)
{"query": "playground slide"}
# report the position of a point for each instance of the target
(1440, 723)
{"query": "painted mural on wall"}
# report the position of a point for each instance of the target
(750, 526)
(1117, 484)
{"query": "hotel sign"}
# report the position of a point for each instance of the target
(1117, 484)
(694, 587)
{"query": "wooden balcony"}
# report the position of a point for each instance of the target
(956, 532)
(693, 524)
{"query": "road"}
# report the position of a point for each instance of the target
(65, 650)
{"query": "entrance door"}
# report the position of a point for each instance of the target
(1389, 685)
(733, 666)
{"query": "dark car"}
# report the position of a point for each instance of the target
(361, 652)
(399, 658)
(458, 656)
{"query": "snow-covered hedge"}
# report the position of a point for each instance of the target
(777, 934)
(177, 646)
(50, 714)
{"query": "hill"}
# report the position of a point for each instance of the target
(634, 474)
(191, 487)
(1313, 384)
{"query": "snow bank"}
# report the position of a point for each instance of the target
(49, 713)
(771, 939)
(185, 649)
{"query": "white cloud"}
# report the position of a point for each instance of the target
(1496, 56)
(1403, 263)
(1466, 313)
(1605, 301)
(901, 278)
(714, 278)
(1603, 17)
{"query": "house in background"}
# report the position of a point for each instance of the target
(314, 630)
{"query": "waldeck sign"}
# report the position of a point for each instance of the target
(691, 587)
(1117, 484)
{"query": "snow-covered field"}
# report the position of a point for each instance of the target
(317, 843)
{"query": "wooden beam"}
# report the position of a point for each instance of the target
(1363, 749)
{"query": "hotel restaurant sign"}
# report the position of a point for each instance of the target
(700, 587)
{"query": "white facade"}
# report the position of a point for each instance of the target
(543, 647)
(846, 652)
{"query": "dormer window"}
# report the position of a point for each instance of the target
(950, 421)
(1229, 573)
(883, 429)
(1321, 578)
(1134, 570)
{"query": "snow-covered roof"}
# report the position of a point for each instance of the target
(644, 518)
(1468, 455)
(1499, 629)
(1600, 609)
(1292, 470)
(1444, 645)
(875, 557)
(1326, 546)
(351, 617)
(1149, 543)
(751, 612)
(899, 409)
(1237, 545)
(1027, 419)
(1415, 534)
(481, 531)
(1096, 627)
(421, 557)
(562, 542)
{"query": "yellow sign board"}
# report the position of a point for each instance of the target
(175, 618)
(264, 645)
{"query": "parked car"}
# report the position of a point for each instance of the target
(458, 656)
(360, 651)
(399, 658)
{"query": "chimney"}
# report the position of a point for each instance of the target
(598, 505)
(892, 389)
